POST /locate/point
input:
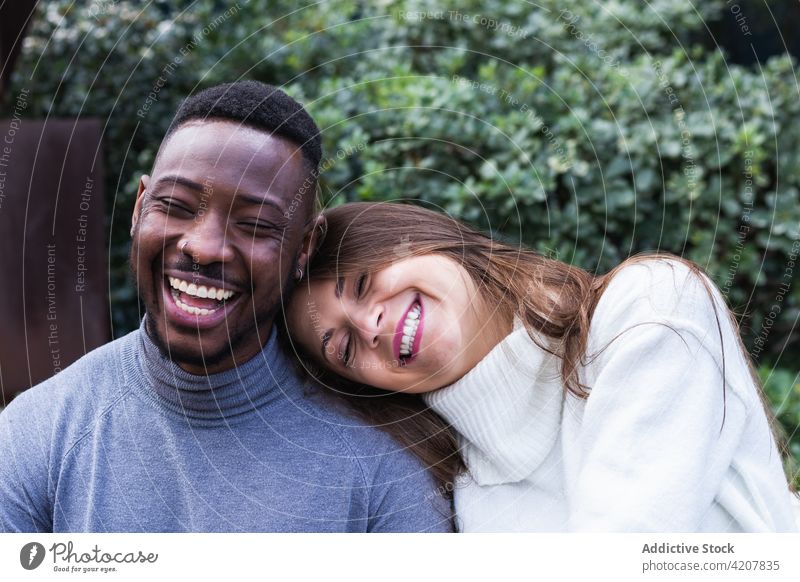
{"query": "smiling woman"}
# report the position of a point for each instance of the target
(621, 402)
(372, 326)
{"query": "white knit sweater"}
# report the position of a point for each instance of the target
(657, 446)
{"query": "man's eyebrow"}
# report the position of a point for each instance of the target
(191, 184)
(326, 337)
(240, 196)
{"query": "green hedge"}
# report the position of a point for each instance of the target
(587, 131)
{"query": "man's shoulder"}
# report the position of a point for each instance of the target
(82, 386)
(404, 495)
(351, 427)
(371, 445)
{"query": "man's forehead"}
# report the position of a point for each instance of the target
(234, 156)
(225, 137)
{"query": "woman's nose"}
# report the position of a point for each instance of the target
(370, 323)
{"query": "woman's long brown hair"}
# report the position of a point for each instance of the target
(551, 297)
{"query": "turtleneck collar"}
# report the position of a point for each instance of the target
(216, 398)
(507, 409)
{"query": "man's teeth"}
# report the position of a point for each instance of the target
(189, 308)
(410, 326)
(199, 290)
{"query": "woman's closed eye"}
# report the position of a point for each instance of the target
(346, 354)
(361, 285)
(347, 349)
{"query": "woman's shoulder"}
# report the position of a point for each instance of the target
(662, 289)
(670, 293)
(678, 298)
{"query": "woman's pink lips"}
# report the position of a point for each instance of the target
(398, 334)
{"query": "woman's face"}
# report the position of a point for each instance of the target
(414, 326)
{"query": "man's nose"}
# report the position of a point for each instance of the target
(207, 240)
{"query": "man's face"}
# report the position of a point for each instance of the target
(212, 250)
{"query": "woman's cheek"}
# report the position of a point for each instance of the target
(441, 348)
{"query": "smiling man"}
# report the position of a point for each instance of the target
(214, 243)
(198, 421)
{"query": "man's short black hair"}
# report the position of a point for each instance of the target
(257, 105)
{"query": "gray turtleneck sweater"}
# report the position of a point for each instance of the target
(126, 441)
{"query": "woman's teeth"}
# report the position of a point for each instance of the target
(179, 286)
(410, 330)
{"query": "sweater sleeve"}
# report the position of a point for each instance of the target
(659, 432)
(24, 500)
(404, 497)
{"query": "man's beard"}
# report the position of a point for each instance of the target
(203, 359)
(236, 337)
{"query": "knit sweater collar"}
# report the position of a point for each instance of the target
(216, 398)
(507, 409)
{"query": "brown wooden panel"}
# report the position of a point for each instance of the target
(14, 19)
(53, 252)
